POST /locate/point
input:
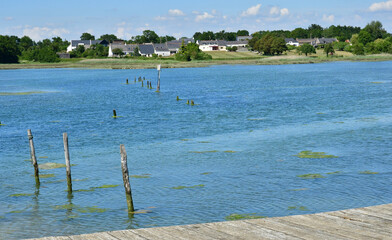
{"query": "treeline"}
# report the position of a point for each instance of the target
(222, 35)
(148, 36)
(13, 49)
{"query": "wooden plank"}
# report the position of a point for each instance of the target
(385, 211)
(373, 213)
(377, 223)
(126, 234)
(95, 236)
(155, 233)
(243, 230)
(209, 231)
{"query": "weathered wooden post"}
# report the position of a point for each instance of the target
(135, 80)
(127, 81)
(33, 158)
(127, 186)
(142, 84)
(178, 99)
(114, 113)
(187, 101)
(192, 103)
(67, 162)
(150, 85)
(159, 78)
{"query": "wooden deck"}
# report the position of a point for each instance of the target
(362, 223)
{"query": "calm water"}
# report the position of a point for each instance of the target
(237, 146)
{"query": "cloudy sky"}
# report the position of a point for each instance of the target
(68, 19)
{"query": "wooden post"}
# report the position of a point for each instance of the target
(67, 162)
(127, 186)
(127, 80)
(142, 84)
(135, 80)
(187, 101)
(178, 99)
(114, 113)
(159, 78)
(33, 158)
(192, 103)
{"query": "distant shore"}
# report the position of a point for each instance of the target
(226, 59)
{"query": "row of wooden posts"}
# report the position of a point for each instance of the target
(124, 168)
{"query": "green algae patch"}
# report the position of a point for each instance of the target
(85, 190)
(48, 166)
(210, 151)
(300, 208)
(299, 189)
(20, 93)
(235, 216)
(204, 142)
(311, 176)
(50, 175)
(186, 140)
(79, 180)
(43, 157)
(229, 151)
(183, 187)
(331, 173)
(368, 172)
(142, 211)
(93, 209)
(16, 211)
(310, 154)
(377, 82)
(206, 173)
(320, 113)
(140, 176)
(255, 119)
(108, 186)
(21, 195)
(65, 207)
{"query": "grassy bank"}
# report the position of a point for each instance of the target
(218, 58)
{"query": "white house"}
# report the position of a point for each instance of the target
(291, 41)
(161, 50)
(86, 43)
(126, 48)
(217, 45)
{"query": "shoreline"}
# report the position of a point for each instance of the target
(126, 63)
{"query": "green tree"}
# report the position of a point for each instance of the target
(108, 37)
(136, 52)
(118, 52)
(232, 49)
(25, 43)
(150, 36)
(279, 45)
(358, 49)
(376, 30)
(364, 37)
(191, 52)
(87, 36)
(315, 31)
(306, 48)
(47, 54)
(242, 33)
(9, 49)
(299, 33)
(328, 49)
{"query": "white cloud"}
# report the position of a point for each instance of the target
(120, 32)
(39, 33)
(176, 12)
(252, 11)
(160, 18)
(381, 6)
(284, 11)
(329, 18)
(203, 16)
(278, 11)
(8, 18)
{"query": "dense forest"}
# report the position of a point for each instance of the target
(372, 39)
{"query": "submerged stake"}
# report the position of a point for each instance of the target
(127, 80)
(67, 162)
(33, 158)
(114, 113)
(127, 185)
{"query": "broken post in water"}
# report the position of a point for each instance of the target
(33, 158)
(114, 113)
(159, 78)
(127, 81)
(67, 162)
(127, 186)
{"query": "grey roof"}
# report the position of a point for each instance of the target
(186, 41)
(146, 49)
(215, 42)
(327, 40)
(76, 43)
(236, 42)
(287, 40)
(125, 48)
(173, 46)
(161, 47)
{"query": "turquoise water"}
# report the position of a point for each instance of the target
(235, 148)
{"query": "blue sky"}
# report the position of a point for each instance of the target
(68, 19)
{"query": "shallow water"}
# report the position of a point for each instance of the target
(233, 152)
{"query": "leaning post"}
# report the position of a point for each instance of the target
(127, 186)
(67, 162)
(159, 78)
(33, 158)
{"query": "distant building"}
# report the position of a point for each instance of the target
(315, 42)
(86, 43)
(291, 41)
(161, 49)
(128, 49)
(323, 41)
(146, 50)
(302, 41)
(215, 45)
(244, 38)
